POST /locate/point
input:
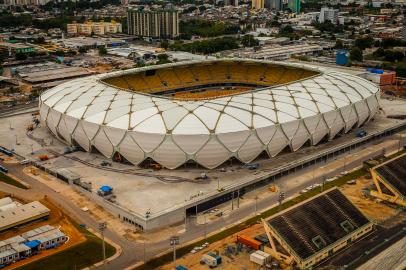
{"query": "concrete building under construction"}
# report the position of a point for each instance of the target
(309, 233)
(389, 180)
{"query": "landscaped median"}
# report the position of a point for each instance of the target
(77, 257)
(11, 181)
(167, 257)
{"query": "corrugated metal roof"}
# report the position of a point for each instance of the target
(22, 213)
(7, 253)
(37, 231)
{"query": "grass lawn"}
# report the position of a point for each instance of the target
(8, 180)
(156, 262)
(76, 257)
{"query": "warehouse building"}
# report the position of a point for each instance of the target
(23, 214)
(316, 229)
(43, 73)
(389, 180)
(13, 48)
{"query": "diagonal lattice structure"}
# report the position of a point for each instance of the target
(136, 114)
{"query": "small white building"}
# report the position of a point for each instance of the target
(8, 256)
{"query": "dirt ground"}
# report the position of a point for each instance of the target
(234, 262)
(57, 219)
(374, 210)
(101, 68)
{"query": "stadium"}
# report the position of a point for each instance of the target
(207, 112)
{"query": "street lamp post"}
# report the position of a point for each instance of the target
(205, 230)
(400, 142)
(281, 198)
(174, 241)
(102, 228)
(256, 202)
(323, 183)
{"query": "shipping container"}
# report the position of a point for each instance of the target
(248, 241)
(260, 257)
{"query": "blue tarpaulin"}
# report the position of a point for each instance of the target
(106, 188)
(32, 244)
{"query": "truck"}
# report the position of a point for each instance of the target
(361, 133)
(3, 169)
(252, 166)
(211, 259)
(5, 151)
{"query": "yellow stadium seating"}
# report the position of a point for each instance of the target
(217, 72)
(202, 73)
(185, 75)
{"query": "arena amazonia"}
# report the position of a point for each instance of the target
(207, 111)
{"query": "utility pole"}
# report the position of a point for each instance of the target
(102, 228)
(400, 143)
(205, 230)
(238, 198)
(145, 253)
(174, 241)
(280, 199)
(256, 202)
(323, 183)
(232, 200)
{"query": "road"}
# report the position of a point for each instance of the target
(134, 252)
(39, 190)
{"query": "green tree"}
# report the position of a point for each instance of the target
(20, 56)
(286, 30)
(249, 41)
(163, 58)
(39, 40)
(356, 54)
(102, 50)
(164, 44)
(82, 50)
(339, 44)
(401, 69)
(363, 43)
(60, 53)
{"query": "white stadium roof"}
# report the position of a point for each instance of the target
(172, 131)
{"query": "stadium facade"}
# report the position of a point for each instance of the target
(207, 111)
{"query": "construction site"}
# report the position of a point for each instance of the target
(328, 230)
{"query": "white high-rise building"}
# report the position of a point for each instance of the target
(328, 14)
(159, 23)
